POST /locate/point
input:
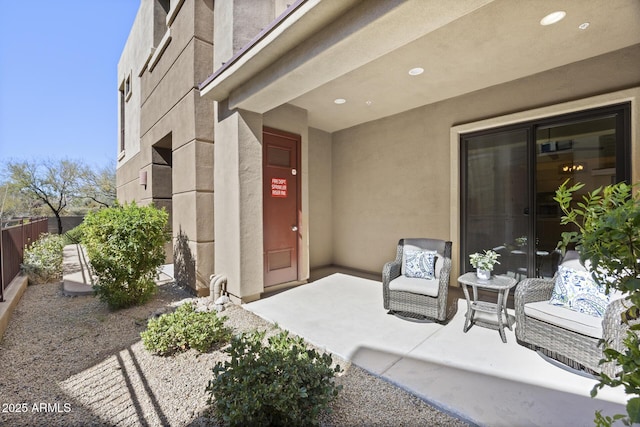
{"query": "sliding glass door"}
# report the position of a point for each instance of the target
(497, 196)
(509, 177)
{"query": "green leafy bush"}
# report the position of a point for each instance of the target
(282, 383)
(629, 359)
(42, 261)
(74, 236)
(183, 329)
(608, 223)
(125, 246)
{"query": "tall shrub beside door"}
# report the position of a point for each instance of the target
(125, 245)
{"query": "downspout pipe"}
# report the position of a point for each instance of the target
(215, 286)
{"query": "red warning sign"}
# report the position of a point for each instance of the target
(278, 187)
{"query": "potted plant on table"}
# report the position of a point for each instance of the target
(608, 222)
(484, 263)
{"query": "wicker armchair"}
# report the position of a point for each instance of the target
(419, 301)
(572, 348)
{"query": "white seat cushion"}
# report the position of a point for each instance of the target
(565, 318)
(417, 286)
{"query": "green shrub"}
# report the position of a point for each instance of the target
(183, 329)
(282, 383)
(42, 261)
(608, 223)
(74, 236)
(125, 246)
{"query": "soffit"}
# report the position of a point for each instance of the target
(299, 22)
(321, 41)
(363, 54)
(497, 43)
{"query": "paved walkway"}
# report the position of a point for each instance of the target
(473, 375)
(76, 279)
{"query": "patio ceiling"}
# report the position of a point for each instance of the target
(364, 54)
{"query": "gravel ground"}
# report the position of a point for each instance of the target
(70, 361)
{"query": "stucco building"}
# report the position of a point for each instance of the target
(284, 137)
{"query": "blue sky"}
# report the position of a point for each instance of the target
(58, 78)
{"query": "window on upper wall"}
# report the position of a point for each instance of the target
(127, 87)
(160, 11)
(122, 115)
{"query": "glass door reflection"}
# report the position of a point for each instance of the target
(583, 151)
(497, 199)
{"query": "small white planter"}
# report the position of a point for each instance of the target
(483, 274)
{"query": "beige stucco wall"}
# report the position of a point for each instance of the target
(134, 55)
(172, 114)
(238, 159)
(392, 178)
(388, 178)
(320, 198)
(238, 162)
(239, 21)
(363, 188)
(127, 180)
(238, 200)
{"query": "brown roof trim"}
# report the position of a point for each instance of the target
(273, 25)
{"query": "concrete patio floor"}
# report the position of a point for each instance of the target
(471, 375)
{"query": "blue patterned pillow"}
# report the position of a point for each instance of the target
(576, 290)
(419, 264)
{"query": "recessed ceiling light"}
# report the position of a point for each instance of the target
(339, 101)
(416, 71)
(584, 25)
(369, 103)
(553, 17)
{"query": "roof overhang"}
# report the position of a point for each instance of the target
(316, 41)
(362, 50)
(298, 22)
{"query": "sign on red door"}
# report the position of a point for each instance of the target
(278, 187)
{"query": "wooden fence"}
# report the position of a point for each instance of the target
(12, 243)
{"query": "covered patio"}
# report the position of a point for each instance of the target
(379, 96)
(472, 375)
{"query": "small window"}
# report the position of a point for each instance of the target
(165, 5)
(122, 115)
(278, 157)
(160, 10)
(127, 87)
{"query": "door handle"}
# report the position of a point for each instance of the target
(294, 228)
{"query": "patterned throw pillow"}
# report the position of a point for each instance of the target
(576, 290)
(419, 264)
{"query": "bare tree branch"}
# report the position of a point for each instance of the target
(59, 186)
(52, 182)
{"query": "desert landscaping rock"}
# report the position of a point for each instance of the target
(70, 361)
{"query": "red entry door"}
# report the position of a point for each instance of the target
(281, 206)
